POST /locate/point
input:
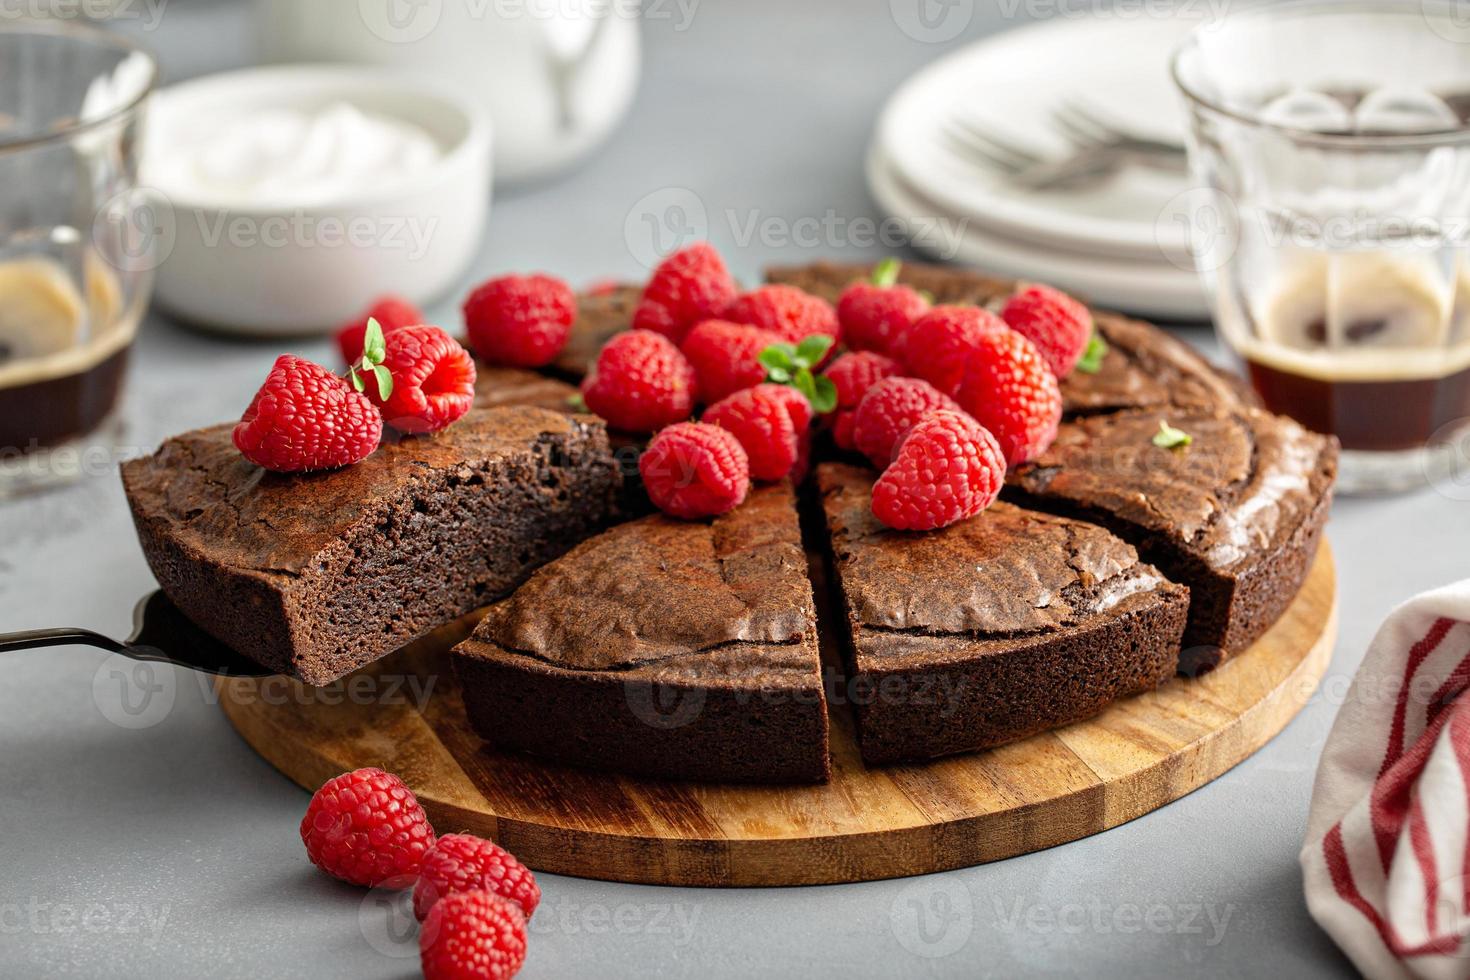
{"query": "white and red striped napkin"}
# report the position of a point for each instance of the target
(1386, 860)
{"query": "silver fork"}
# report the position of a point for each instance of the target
(1030, 170)
(1087, 126)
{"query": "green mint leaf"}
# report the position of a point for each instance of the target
(577, 403)
(809, 352)
(824, 396)
(779, 376)
(778, 357)
(885, 273)
(1092, 357)
(385, 382)
(374, 348)
(1171, 438)
(356, 379)
(805, 383)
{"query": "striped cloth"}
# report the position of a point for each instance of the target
(1386, 863)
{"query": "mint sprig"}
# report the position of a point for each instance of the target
(1092, 356)
(793, 364)
(1169, 437)
(885, 273)
(374, 352)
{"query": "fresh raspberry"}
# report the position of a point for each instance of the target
(463, 863)
(940, 343)
(887, 412)
(1009, 389)
(366, 828)
(306, 418)
(523, 321)
(433, 380)
(770, 422)
(948, 469)
(1057, 324)
(689, 286)
(854, 374)
(725, 357)
(391, 312)
(786, 311)
(641, 383)
(473, 936)
(695, 470)
(878, 318)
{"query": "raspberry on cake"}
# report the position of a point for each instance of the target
(690, 286)
(433, 380)
(785, 311)
(391, 312)
(876, 315)
(641, 383)
(942, 340)
(306, 418)
(887, 412)
(771, 422)
(463, 863)
(472, 936)
(366, 827)
(852, 375)
(695, 470)
(1058, 325)
(520, 321)
(726, 357)
(948, 469)
(1009, 389)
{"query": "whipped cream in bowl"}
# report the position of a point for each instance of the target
(291, 196)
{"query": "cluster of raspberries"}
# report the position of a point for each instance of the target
(471, 896)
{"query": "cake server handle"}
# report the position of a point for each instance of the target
(62, 637)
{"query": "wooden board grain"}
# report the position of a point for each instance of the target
(405, 714)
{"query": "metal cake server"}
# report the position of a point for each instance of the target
(161, 634)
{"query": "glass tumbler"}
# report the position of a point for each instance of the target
(77, 246)
(1330, 142)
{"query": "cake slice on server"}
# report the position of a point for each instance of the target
(990, 630)
(679, 649)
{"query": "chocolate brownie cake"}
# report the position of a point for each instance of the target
(992, 629)
(318, 574)
(600, 314)
(497, 387)
(1235, 515)
(1145, 367)
(662, 647)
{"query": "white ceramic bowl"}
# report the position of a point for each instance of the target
(265, 270)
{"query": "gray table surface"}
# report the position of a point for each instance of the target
(155, 843)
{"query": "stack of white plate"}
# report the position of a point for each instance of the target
(1116, 242)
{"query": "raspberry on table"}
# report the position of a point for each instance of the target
(877, 316)
(391, 312)
(725, 356)
(788, 312)
(641, 383)
(522, 321)
(462, 863)
(771, 421)
(472, 935)
(689, 286)
(853, 374)
(941, 340)
(366, 827)
(306, 418)
(1009, 389)
(948, 469)
(694, 470)
(887, 412)
(433, 380)
(1058, 325)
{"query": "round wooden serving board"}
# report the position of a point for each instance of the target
(405, 715)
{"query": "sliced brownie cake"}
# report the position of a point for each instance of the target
(497, 387)
(318, 574)
(662, 647)
(600, 314)
(992, 629)
(1236, 514)
(1144, 368)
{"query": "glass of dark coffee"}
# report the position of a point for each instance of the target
(1331, 143)
(77, 247)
